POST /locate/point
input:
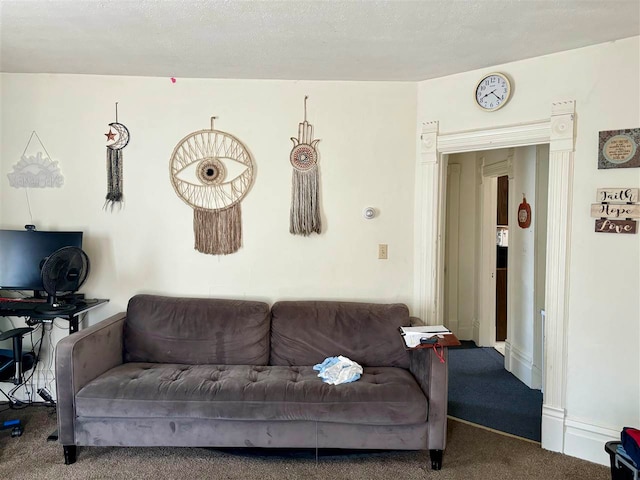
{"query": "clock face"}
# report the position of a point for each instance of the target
(493, 92)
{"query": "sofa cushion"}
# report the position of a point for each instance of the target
(196, 331)
(307, 332)
(382, 396)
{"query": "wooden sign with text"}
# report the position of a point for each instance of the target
(619, 205)
(604, 225)
(616, 211)
(618, 195)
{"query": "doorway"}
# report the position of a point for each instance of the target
(557, 130)
(490, 296)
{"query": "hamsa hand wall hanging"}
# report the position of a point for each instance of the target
(212, 171)
(304, 217)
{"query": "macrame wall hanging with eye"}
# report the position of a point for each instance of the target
(305, 184)
(117, 139)
(212, 171)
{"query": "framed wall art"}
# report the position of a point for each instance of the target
(619, 148)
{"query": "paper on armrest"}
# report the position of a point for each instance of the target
(412, 335)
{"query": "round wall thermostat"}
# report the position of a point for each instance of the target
(369, 213)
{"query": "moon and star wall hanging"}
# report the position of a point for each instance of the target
(212, 171)
(117, 139)
(305, 185)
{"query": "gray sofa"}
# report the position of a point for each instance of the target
(235, 373)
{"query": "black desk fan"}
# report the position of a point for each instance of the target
(63, 272)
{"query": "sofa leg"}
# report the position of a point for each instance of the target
(436, 459)
(69, 454)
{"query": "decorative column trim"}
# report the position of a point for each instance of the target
(561, 153)
(426, 224)
(501, 137)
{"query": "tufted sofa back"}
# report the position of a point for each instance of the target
(196, 331)
(307, 332)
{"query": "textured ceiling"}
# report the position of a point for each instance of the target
(299, 39)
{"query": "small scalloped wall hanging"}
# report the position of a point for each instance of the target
(36, 171)
(212, 171)
(305, 185)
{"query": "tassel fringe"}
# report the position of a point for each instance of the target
(305, 205)
(114, 178)
(218, 232)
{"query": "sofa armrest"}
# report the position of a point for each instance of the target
(433, 377)
(80, 358)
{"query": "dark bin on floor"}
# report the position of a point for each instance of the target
(621, 469)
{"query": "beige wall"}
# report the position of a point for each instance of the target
(367, 158)
(603, 375)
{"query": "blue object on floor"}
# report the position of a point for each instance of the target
(483, 392)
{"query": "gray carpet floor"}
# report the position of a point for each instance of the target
(472, 453)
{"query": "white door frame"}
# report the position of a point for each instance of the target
(558, 132)
(452, 273)
(485, 326)
(485, 335)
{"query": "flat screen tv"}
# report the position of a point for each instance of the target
(22, 253)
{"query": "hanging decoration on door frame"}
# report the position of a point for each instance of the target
(305, 185)
(212, 171)
(524, 213)
(117, 139)
(36, 171)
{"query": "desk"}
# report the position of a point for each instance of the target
(30, 310)
(35, 316)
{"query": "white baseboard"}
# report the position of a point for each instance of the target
(552, 428)
(536, 377)
(465, 332)
(476, 332)
(586, 441)
(575, 437)
(519, 363)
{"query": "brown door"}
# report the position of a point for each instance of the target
(501, 261)
(501, 304)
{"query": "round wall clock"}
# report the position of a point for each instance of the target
(493, 92)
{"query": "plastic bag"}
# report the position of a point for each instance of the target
(336, 370)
